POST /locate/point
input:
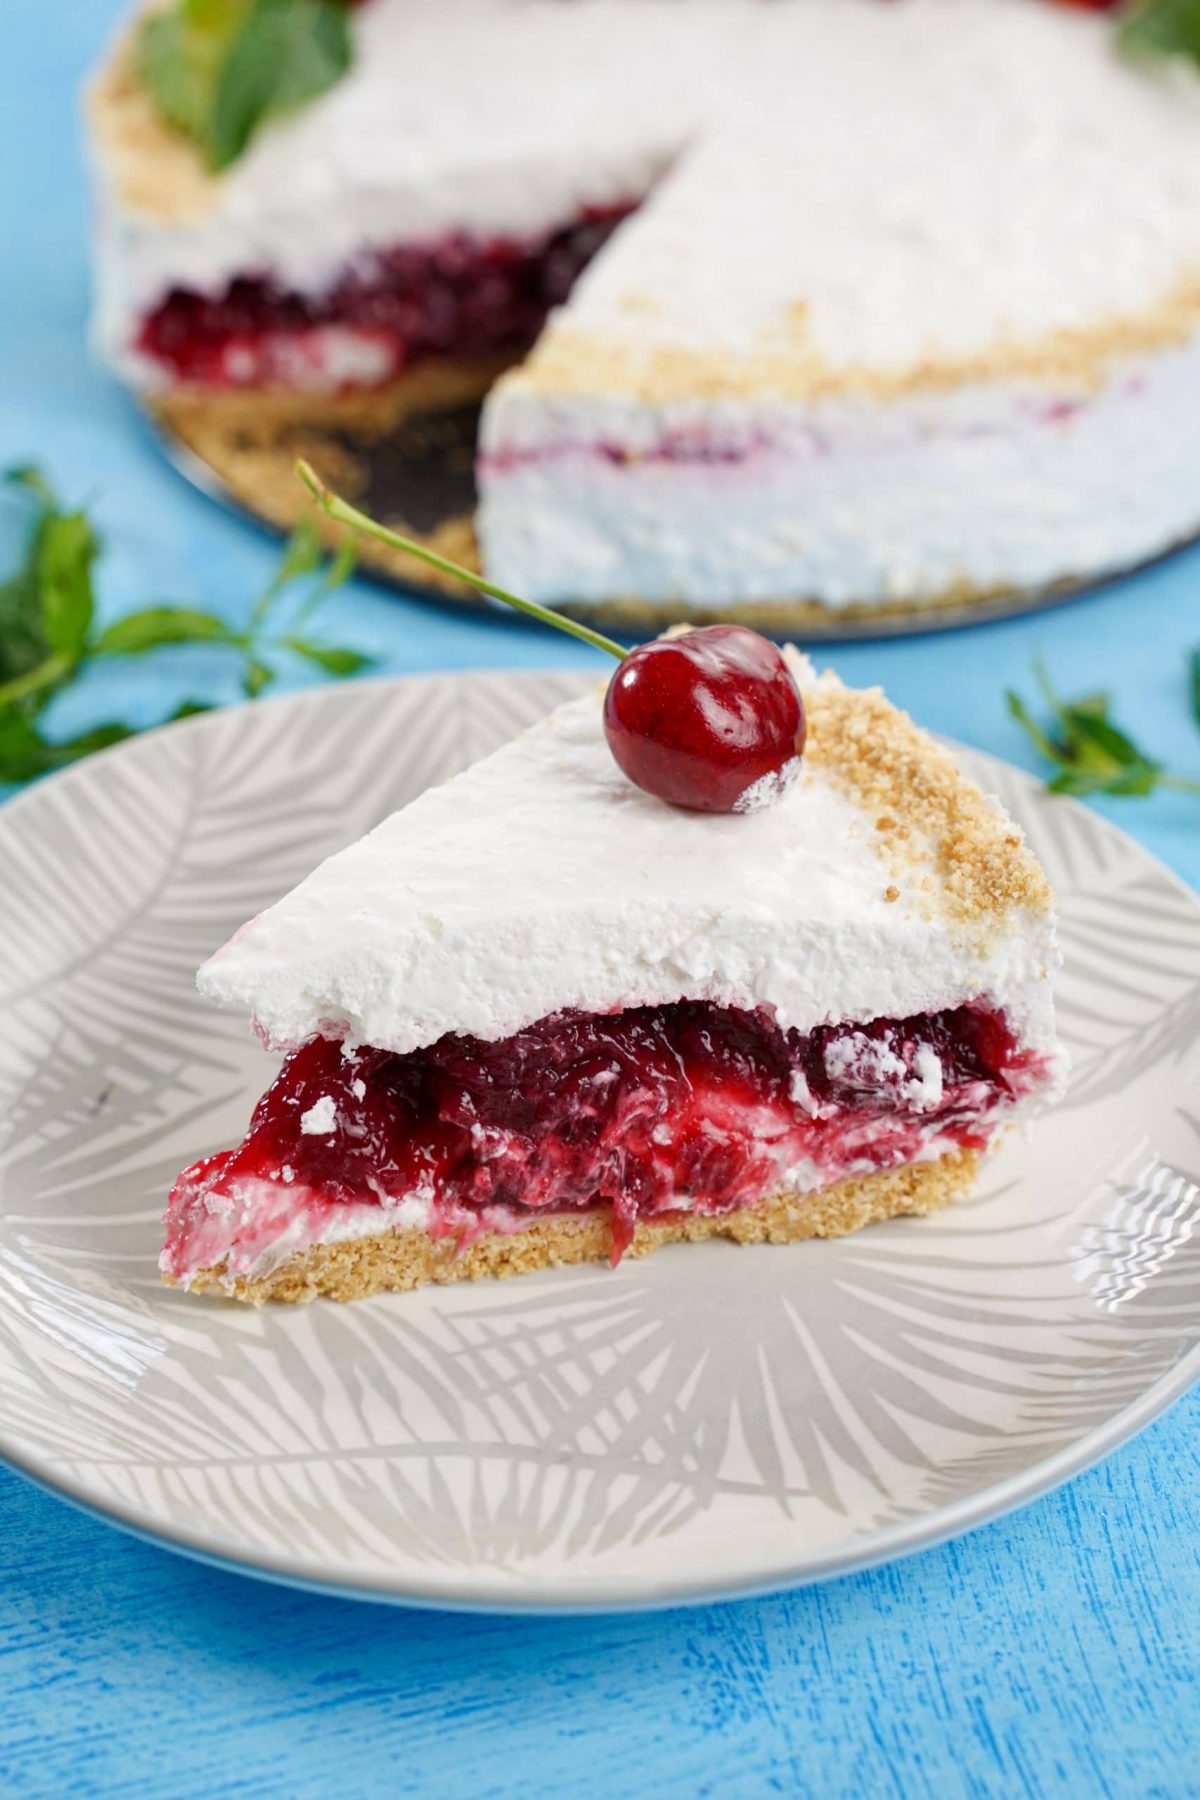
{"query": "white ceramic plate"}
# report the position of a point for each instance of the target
(713, 1421)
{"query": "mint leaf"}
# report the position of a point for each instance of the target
(1092, 755)
(174, 72)
(23, 752)
(23, 643)
(1076, 781)
(333, 660)
(155, 626)
(288, 51)
(46, 603)
(179, 54)
(1163, 27)
(1025, 718)
(1099, 742)
(256, 676)
(22, 640)
(66, 549)
(218, 69)
(48, 635)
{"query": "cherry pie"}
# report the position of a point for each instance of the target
(540, 1016)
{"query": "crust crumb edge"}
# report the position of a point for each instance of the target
(398, 1261)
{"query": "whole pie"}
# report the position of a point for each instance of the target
(539, 1016)
(820, 304)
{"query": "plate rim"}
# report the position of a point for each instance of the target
(889, 1544)
(572, 1598)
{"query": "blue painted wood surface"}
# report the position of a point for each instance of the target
(1054, 1653)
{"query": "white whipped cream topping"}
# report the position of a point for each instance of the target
(541, 879)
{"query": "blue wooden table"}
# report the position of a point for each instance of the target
(1054, 1653)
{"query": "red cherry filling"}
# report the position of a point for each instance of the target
(703, 719)
(657, 1112)
(461, 296)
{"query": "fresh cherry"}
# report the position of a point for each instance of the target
(699, 719)
(709, 719)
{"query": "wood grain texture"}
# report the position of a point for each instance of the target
(1052, 1654)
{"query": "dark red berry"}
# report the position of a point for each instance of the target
(698, 719)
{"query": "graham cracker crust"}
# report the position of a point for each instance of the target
(785, 363)
(251, 441)
(398, 1261)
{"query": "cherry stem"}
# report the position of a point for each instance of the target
(345, 514)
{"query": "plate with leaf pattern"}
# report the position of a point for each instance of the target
(714, 1421)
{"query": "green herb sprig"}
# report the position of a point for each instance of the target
(1092, 755)
(1162, 27)
(217, 70)
(49, 633)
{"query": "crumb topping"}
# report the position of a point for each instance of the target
(926, 812)
(787, 364)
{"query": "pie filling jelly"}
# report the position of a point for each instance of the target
(461, 296)
(657, 1112)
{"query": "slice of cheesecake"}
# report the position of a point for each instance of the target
(539, 1016)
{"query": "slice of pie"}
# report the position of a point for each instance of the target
(539, 1017)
